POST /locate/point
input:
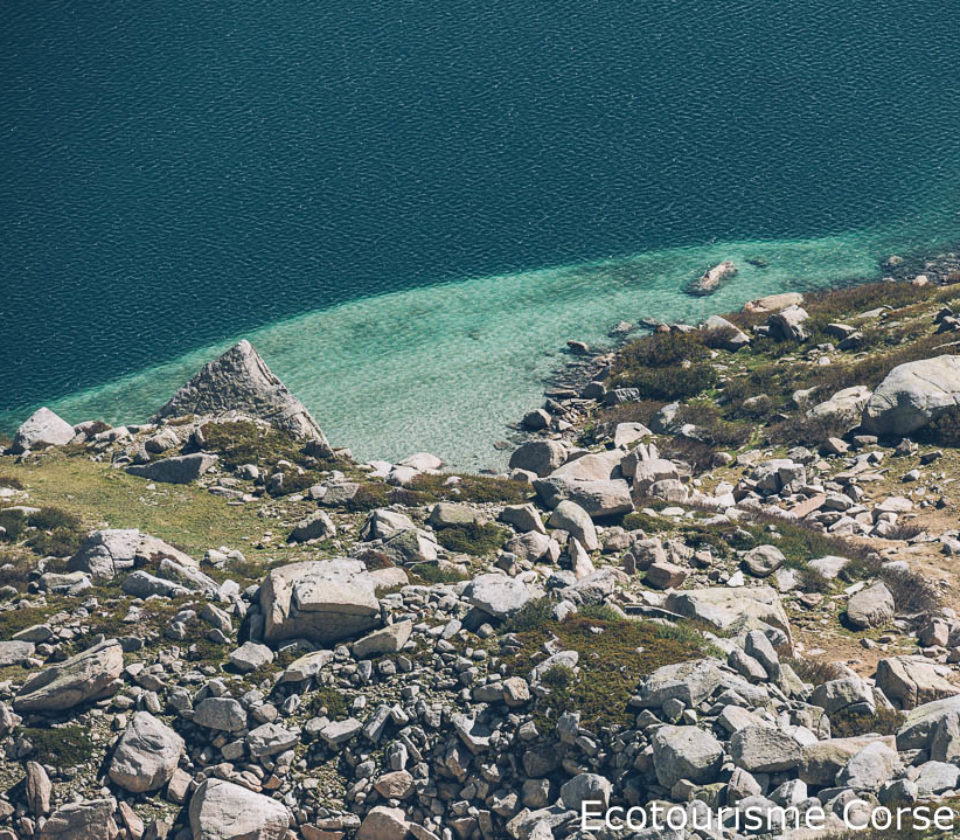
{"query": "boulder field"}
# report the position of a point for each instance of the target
(717, 573)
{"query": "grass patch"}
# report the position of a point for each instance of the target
(14, 523)
(16, 567)
(816, 671)
(11, 481)
(184, 515)
(329, 698)
(661, 384)
(61, 746)
(665, 366)
(470, 488)
(13, 621)
(429, 574)
(944, 430)
(712, 428)
(660, 350)
(59, 532)
(473, 538)
(614, 655)
(801, 542)
(640, 521)
(49, 531)
(607, 417)
(369, 497)
(294, 481)
(245, 442)
(913, 593)
(800, 430)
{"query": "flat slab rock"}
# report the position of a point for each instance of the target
(911, 681)
(13, 652)
(324, 601)
(498, 595)
(722, 606)
(90, 675)
(89, 820)
(181, 469)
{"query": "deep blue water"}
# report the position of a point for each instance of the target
(173, 174)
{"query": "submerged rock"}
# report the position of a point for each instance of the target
(711, 279)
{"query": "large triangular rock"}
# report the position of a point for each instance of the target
(43, 428)
(240, 381)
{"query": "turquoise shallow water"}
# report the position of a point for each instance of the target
(326, 177)
(446, 367)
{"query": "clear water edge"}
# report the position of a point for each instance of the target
(445, 368)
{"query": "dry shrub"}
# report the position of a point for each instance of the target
(800, 430)
(816, 671)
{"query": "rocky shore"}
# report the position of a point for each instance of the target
(718, 577)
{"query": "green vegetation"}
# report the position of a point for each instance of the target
(665, 366)
(103, 497)
(756, 386)
(660, 350)
(662, 384)
(429, 488)
(429, 574)
(913, 592)
(470, 488)
(245, 442)
(59, 533)
(801, 542)
(326, 698)
(712, 428)
(61, 746)
(607, 418)
(17, 567)
(473, 538)
(293, 480)
(241, 442)
(15, 620)
(369, 497)
(815, 671)
(944, 430)
(49, 531)
(615, 654)
(13, 522)
(10, 481)
(640, 521)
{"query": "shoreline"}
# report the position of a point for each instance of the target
(776, 544)
(466, 373)
(569, 379)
